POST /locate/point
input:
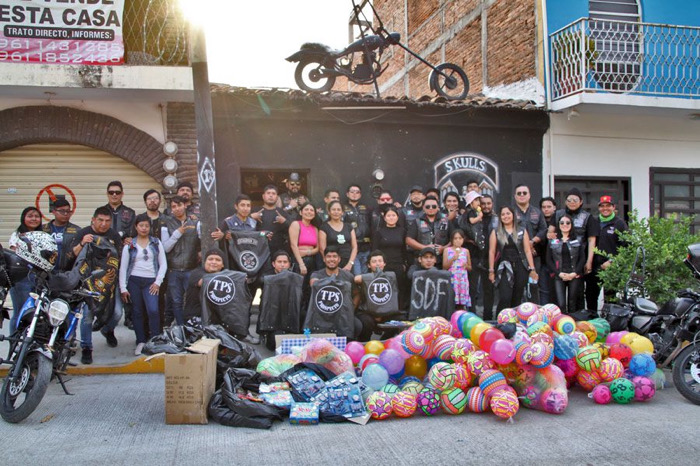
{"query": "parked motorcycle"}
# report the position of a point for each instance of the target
(45, 338)
(674, 329)
(319, 65)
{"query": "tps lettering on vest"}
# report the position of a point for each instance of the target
(379, 291)
(220, 290)
(329, 299)
(248, 260)
(428, 293)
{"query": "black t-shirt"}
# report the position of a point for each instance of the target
(342, 239)
(392, 242)
(280, 231)
(193, 299)
(111, 235)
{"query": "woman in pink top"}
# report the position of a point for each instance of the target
(303, 239)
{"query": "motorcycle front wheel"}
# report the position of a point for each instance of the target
(20, 397)
(308, 76)
(453, 85)
(686, 373)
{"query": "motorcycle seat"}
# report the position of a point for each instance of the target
(322, 48)
(645, 306)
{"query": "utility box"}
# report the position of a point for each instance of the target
(189, 383)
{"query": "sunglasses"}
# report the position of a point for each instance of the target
(145, 254)
(354, 191)
(431, 206)
(62, 211)
(573, 199)
(565, 223)
(385, 199)
(294, 183)
(114, 193)
(522, 193)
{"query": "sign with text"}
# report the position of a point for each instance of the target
(454, 172)
(75, 32)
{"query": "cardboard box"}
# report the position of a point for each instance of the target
(189, 383)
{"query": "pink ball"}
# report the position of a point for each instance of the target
(601, 394)
(554, 401)
(525, 310)
(502, 351)
(568, 367)
(615, 337)
(456, 332)
(395, 344)
(355, 350)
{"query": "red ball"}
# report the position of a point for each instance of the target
(487, 338)
(621, 352)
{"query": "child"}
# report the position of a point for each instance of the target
(457, 260)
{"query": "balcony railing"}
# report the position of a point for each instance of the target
(155, 33)
(625, 57)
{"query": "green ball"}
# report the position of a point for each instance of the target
(390, 389)
(469, 324)
(602, 327)
(622, 391)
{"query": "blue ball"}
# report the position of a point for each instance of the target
(565, 347)
(408, 379)
(642, 364)
(375, 376)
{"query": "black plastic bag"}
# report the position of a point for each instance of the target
(233, 352)
(174, 339)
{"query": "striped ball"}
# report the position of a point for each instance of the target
(507, 315)
(413, 343)
(442, 376)
(610, 369)
(443, 346)
(490, 381)
(404, 404)
(588, 358)
(539, 327)
(564, 324)
(479, 361)
(525, 310)
(453, 401)
(461, 350)
(477, 402)
(542, 355)
(588, 380)
(424, 329)
(463, 376)
(441, 326)
(565, 347)
(504, 404)
(587, 329)
(523, 353)
(552, 311)
(414, 388)
(390, 389)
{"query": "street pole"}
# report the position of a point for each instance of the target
(206, 162)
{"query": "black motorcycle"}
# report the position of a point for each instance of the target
(674, 329)
(44, 341)
(319, 65)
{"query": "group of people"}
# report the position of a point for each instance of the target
(491, 253)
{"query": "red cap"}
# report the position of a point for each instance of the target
(604, 199)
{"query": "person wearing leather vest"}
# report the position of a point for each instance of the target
(428, 230)
(180, 236)
(510, 259)
(566, 258)
(415, 204)
(358, 216)
(471, 222)
(63, 232)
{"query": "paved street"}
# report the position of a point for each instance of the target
(119, 419)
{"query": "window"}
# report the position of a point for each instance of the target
(676, 191)
(614, 28)
(592, 188)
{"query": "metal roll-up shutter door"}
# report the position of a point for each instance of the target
(74, 171)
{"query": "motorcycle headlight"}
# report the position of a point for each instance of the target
(58, 311)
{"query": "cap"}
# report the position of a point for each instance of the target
(606, 199)
(214, 252)
(425, 251)
(471, 195)
(416, 188)
(294, 177)
(576, 192)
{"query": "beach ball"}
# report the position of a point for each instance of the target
(454, 321)
(551, 310)
(588, 358)
(477, 330)
(602, 349)
(502, 351)
(424, 329)
(504, 404)
(644, 388)
(622, 390)
(565, 347)
(490, 381)
(487, 338)
(443, 347)
(641, 345)
(478, 361)
(368, 359)
(355, 350)
(390, 389)
(404, 404)
(453, 401)
(442, 376)
(581, 338)
(463, 377)
(523, 353)
(476, 401)
(413, 343)
(642, 364)
(554, 401)
(621, 352)
(564, 324)
(415, 366)
(428, 401)
(542, 355)
(469, 323)
(507, 315)
(587, 329)
(413, 387)
(525, 310)
(587, 380)
(374, 347)
(375, 376)
(610, 369)
(602, 328)
(379, 405)
(601, 394)
(568, 367)
(615, 337)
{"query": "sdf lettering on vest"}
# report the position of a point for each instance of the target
(226, 301)
(331, 308)
(280, 304)
(431, 294)
(381, 293)
(248, 251)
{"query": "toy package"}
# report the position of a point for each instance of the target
(303, 414)
(282, 399)
(306, 383)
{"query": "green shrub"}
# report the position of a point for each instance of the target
(665, 241)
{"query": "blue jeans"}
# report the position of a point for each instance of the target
(177, 285)
(86, 322)
(360, 265)
(19, 294)
(142, 300)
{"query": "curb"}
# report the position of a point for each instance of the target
(138, 366)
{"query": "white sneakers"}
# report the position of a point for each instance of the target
(139, 349)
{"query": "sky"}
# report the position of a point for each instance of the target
(248, 41)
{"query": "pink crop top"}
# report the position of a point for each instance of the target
(308, 236)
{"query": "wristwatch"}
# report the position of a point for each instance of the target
(351, 262)
(530, 269)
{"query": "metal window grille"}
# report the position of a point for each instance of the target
(676, 191)
(155, 33)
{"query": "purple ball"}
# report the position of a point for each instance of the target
(391, 360)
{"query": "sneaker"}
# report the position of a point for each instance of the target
(111, 339)
(128, 323)
(86, 358)
(139, 349)
(250, 339)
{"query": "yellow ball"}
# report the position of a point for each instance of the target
(641, 345)
(374, 347)
(477, 330)
(627, 339)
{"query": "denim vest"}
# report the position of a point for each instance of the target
(153, 247)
